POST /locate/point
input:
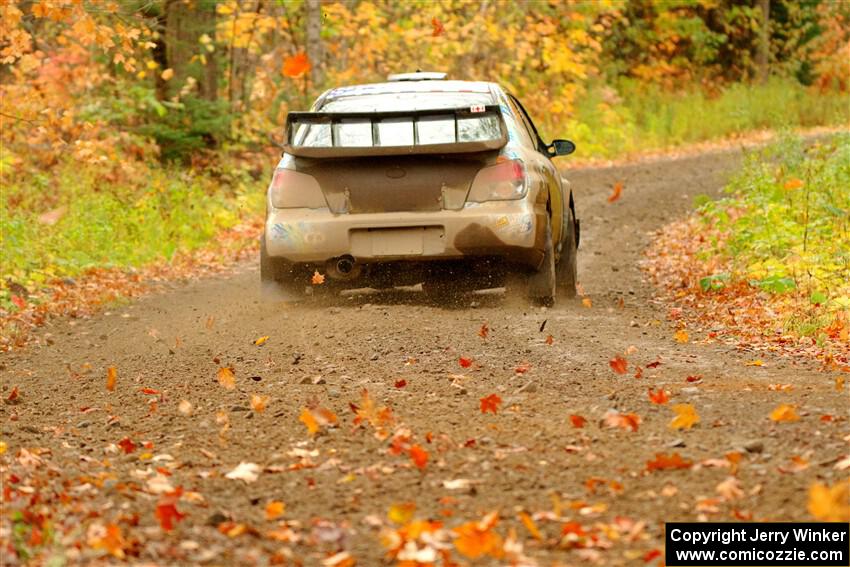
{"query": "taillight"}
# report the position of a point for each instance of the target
(501, 182)
(291, 190)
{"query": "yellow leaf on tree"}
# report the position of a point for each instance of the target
(830, 504)
(401, 513)
(681, 336)
(275, 509)
(226, 377)
(686, 417)
(785, 412)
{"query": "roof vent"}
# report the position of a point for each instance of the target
(417, 76)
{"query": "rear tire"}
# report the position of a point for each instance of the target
(541, 284)
(566, 272)
(276, 275)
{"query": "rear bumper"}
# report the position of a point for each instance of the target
(512, 230)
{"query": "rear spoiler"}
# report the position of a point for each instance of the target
(296, 120)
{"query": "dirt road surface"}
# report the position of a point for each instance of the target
(339, 485)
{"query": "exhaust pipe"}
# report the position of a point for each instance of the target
(343, 268)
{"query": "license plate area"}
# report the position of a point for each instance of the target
(405, 241)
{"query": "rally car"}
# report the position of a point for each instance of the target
(420, 180)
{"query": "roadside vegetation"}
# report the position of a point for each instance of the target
(133, 135)
(771, 260)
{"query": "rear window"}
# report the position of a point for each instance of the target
(401, 131)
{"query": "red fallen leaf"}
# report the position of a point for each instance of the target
(522, 368)
(826, 418)
(148, 445)
(572, 528)
(659, 397)
(13, 396)
(465, 362)
(400, 384)
(490, 403)
(694, 378)
(469, 443)
(655, 364)
(166, 509)
(639, 373)
(629, 421)
(665, 462)
(418, 455)
(616, 191)
(484, 331)
(577, 421)
(19, 301)
(650, 555)
(163, 471)
(438, 28)
(618, 364)
(429, 437)
(149, 391)
(128, 445)
(296, 65)
(550, 339)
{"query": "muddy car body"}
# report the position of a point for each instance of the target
(420, 180)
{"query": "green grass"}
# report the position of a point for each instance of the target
(105, 224)
(788, 225)
(639, 117)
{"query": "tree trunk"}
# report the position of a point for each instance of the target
(764, 42)
(314, 40)
(208, 81)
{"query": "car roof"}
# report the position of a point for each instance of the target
(424, 86)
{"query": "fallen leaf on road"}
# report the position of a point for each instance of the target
(275, 509)
(627, 421)
(109, 539)
(226, 377)
(549, 340)
(618, 364)
(457, 484)
(577, 421)
(686, 417)
(400, 383)
(401, 513)
(127, 445)
(616, 191)
(681, 336)
(478, 539)
(484, 331)
(659, 397)
(784, 412)
(490, 403)
(529, 524)
(314, 419)
(247, 472)
(418, 455)
(729, 489)
(755, 363)
(664, 462)
(185, 407)
(587, 302)
(464, 362)
(111, 378)
(261, 341)
(830, 504)
(166, 509)
(259, 403)
(13, 396)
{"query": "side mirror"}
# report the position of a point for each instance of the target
(560, 148)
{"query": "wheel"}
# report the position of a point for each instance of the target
(276, 275)
(541, 284)
(566, 270)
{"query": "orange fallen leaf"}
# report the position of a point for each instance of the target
(259, 403)
(149, 391)
(13, 396)
(317, 279)
(490, 403)
(418, 455)
(275, 509)
(755, 363)
(664, 462)
(166, 509)
(314, 419)
(484, 331)
(616, 191)
(839, 383)
(529, 524)
(780, 387)
(587, 302)
(627, 421)
(401, 513)
(686, 417)
(681, 336)
(549, 340)
(478, 539)
(226, 377)
(111, 378)
(111, 541)
(522, 368)
(618, 364)
(659, 397)
(295, 65)
(830, 504)
(127, 445)
(785, 412)
(638, 373)
(577, 421)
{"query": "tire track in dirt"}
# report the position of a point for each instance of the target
(330, 351)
